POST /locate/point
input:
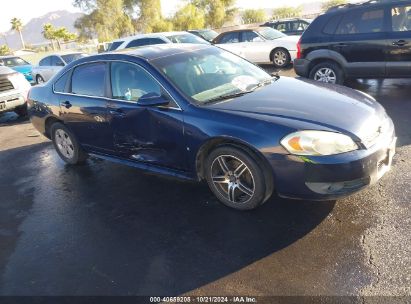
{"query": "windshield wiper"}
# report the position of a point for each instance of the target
(227, 96)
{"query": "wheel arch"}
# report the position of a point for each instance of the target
(318, 56)
(48, 123)
(215, 142)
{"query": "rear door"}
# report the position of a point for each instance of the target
(255, 48)
(399, 42)
(361, 38)
(83, 107)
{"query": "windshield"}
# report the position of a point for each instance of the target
(209, 35)
(71, 57)
(13, 61)
(210, 73)
(270, 34)
(186, 38)
(114, 46)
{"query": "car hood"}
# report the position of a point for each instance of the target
(328, 106)
(23, 68)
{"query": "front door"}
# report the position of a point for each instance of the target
(148, 134)
(399, 41)
(84, 107)
(255, 48)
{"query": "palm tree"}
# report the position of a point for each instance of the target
(17, 25)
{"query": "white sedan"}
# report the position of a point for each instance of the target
(260, 45)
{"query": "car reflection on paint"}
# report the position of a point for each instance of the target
(198, 112)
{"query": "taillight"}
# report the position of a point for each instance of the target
(299, 49)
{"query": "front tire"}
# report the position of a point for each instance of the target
(281, 58)
(235, 178)
(327, 72)
(67, 145)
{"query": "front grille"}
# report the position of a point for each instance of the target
(5, 84)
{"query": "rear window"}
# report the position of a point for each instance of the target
(45, 61)
(361, 22)
(88, 79)
(186, 38)
(230, 38)
(144, 41)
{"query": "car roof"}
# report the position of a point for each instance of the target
(151, 52)
(151, 35)
(253, 28)
(287, 19)
(371, 3)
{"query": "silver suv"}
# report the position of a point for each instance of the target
(13, 91)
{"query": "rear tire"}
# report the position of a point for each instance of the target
(281, 58)
(327, 72)
(67, 145)
(235, 178)
(39, 79)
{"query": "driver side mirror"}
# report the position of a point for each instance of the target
(153, 100)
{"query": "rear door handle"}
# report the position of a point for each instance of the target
(400, 43)
(66, 104)
(342, 44)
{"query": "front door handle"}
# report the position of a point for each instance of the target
(66, 104)
(117, 112)
(399, 43)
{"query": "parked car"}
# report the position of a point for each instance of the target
(370, 40)
(13, 91)
(50, 65)
(18, 64)
(207, 35)
(155, 38)
(200, 113)
(293, 26)
(260, 45)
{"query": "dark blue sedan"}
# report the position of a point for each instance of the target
(198, 112)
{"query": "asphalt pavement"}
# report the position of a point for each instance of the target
(108, 229)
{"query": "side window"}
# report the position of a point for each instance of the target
(331, 26)
(230, 38)
(45, 62)
(361, 22)
(56, 61)
(88, 79)
(250, 36)
(282, 27)
(60, 85)
(130, 82)
(401, 18)
(144, 41)
(115, 45)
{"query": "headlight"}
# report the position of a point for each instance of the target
(312, 142)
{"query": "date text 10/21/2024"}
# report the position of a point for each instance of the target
(204, 299)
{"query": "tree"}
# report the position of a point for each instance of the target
(150, 19)
(4, 50)
(287, 11)
(217, 12)
(330, 3)
(17, 25)
(48, 33)
(253, 16)
(189, 17)
(106, 19)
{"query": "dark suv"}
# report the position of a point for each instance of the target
(368, 40)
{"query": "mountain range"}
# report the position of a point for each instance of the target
(32, 31)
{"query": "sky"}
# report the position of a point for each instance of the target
(28, 9)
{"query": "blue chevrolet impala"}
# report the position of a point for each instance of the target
(201, 113)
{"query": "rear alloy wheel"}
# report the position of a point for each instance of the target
(235, 178)
(66, 145)
(327, 72)
(281, 58)
(39, 79)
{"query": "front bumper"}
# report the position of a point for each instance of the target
(11, 100)
(336, 176)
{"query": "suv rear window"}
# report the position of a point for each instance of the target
(361, 22)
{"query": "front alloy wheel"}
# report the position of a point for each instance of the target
(235, 178)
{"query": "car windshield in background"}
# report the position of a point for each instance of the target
(114, 45)
(13, 61)
(270, 34)
(71, 57)
(186, 38)
(209, 35)
(211, 73)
